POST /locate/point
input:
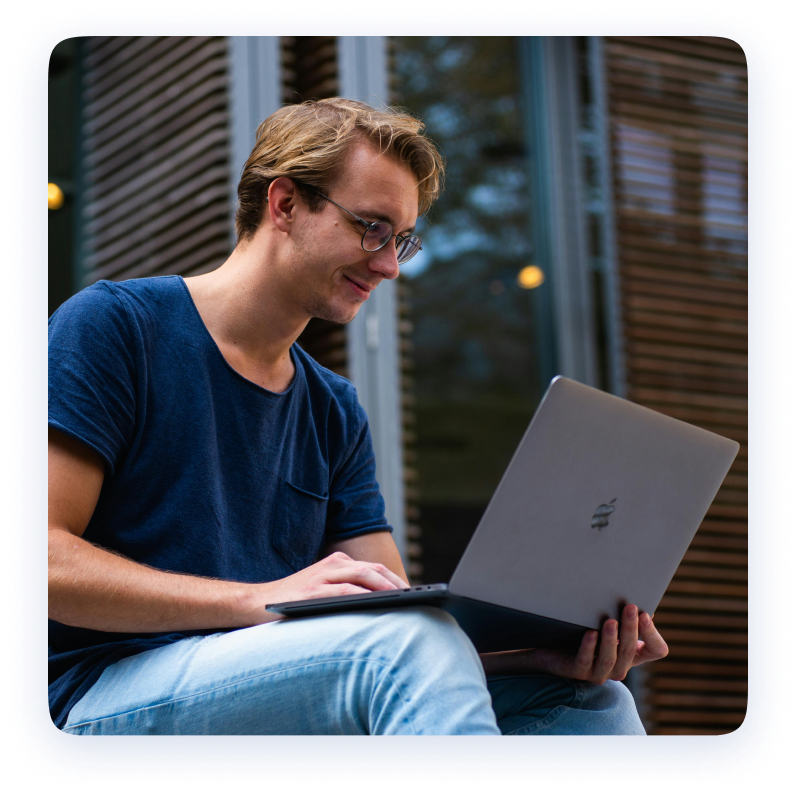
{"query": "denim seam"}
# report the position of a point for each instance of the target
(551, 717)
(239, 682)
(580, 694)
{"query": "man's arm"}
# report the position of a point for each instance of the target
(98, 589)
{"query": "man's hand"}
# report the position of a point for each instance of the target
(333, 576)
(636, 641)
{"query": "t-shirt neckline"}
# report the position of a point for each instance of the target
(217, 351)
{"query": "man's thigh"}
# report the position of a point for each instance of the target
(321, 675)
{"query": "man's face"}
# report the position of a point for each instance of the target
(332, 274)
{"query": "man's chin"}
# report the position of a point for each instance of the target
(336, 314)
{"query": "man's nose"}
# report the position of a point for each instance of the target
(385, 261)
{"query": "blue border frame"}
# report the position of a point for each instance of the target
(742, 755)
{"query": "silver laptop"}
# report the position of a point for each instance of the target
(595, 510)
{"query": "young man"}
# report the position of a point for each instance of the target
(201, 465)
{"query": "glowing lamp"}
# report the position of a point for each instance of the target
(530, 277)
(55, 196)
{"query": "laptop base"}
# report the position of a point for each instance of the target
(491, 628)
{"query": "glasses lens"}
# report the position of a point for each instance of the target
(376, 236)
(408, 248)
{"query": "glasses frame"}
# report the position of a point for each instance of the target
(370, 224)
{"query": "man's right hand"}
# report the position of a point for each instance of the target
(333, 576)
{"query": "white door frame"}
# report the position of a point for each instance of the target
(372, 339)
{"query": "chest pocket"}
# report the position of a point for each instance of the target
(300, 524)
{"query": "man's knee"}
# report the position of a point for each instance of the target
(618, 708)
(619, 696)
(427, 634)
(424, 624)
(425, 617)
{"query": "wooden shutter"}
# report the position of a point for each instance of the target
(414, 533)
(309, 68)
(679, 146)
(309, 71)
(155, 162)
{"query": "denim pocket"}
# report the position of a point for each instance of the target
(300, 524)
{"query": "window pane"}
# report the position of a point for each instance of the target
(474, 333)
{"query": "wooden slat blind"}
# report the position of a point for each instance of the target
(155, 157)
(309, 71)
(309, 68)
(678, 133)
(414, 531)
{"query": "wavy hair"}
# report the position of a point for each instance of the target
(308, 143)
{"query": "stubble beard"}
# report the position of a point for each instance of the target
(317, 307)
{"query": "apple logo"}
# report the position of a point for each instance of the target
(601, 515)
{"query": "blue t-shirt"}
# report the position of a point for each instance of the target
(206, 473)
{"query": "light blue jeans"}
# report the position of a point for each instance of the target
(411, 671)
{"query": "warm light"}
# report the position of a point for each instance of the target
(55, 196)
(530, 277)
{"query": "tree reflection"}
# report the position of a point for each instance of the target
(474, 346)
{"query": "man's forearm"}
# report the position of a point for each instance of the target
(94, 588)
(97, 589)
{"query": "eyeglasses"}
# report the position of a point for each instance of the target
(378, 234)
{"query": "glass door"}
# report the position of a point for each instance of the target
(474, 334)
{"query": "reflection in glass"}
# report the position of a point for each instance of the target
(477, 379)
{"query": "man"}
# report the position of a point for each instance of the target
(201, 465)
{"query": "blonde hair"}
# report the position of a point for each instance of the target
(308, 143)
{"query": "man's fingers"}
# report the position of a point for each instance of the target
(341, 561)
(398, 583)
(392, 579)
(584, 660)
(606, 655)
(362, 573)
(654, 645)
(335, 590)
(628, 642)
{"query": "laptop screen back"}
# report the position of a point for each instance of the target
(596, 508)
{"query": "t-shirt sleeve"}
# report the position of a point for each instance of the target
(92, 372)
(356, 506)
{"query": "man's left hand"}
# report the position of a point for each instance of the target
(621, 647)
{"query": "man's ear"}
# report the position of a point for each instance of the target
(281, 203)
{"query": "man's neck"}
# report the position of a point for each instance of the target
(249, 317)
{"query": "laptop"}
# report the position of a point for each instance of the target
(595, 510)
